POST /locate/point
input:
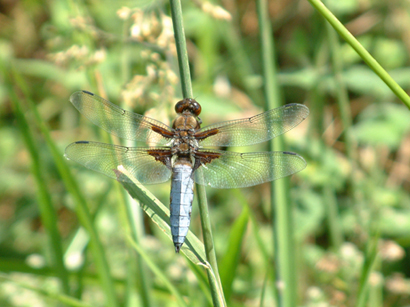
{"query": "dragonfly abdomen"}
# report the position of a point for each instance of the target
(182, 195)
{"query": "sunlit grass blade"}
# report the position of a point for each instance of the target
(343, 102)
(202, 279)
(65, 299)
(186, 86)
(261, 247)
(193, 249)
(138, 272)
(232, 255)
(158, 272)
(81, 207)
(281, 210)
(159, 214)
(47, 211)
(361, 51)
(369, 261)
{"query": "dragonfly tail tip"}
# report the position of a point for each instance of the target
(177, 247)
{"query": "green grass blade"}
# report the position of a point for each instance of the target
(280, 198)
(193, 249)
(369, 261)
(203, 281)
(260, 245)
(47, 211)
(139, 273)
(333, 219)
(230, 261)
(182, 53)
(65, 299)
(81, 207)
(361, 51)
(213, 275)
(158, 272)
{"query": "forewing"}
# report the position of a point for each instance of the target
(253, 130)
(227, 170)
(105, 158)
(113, 119)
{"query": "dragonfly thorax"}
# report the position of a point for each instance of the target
(186, 122)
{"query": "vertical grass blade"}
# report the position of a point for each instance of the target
(182, 53)
(230, 261)
(369, 261)
(281, 210)
(351, 148)
(48, 214)
(144, 281)
(213, 275)
(361, 51)
(159, 213)
(158, 272)
(81, 207)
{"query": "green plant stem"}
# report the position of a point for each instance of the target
(183, 62)
(132, 214)
(280, 198)
(48, 214)
(345, 112)
(158, 272)
(81, 208)
(361, 51)
(333, 219)
(144, 282)
(63, 299)
(182, 53)
(369, 262)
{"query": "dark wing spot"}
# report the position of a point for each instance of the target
(89, 93)
(163, 156)
(205, 134)
(82, 142)
(289, 153)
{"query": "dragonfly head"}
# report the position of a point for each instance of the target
(188, 105)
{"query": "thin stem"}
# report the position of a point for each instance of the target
(344, 107)
(281, 211)
(48, 214)
(183, 61)
(361, 51)
(182, 53)
(81, 208)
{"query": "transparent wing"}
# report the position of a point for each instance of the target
(105, 158)
(239, 170)
(113, 119)
(256, 129)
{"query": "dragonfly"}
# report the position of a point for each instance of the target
(184, 152)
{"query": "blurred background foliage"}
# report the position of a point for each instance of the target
(351, 194)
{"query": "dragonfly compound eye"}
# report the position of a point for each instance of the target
(188, 104)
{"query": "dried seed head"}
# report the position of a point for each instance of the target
(391, 251)
(216, 11)
(124, 13)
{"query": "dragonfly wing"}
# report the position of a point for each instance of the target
(124, 124)
(143, 163)
(227, 170)
(253, 130)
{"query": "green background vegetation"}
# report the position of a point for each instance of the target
(71, 237)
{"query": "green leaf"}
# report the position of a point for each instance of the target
(383, 124)
(193, 249)
(230, 261)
